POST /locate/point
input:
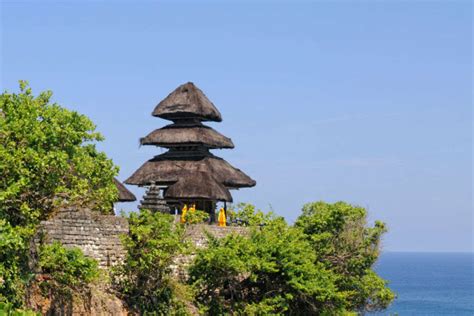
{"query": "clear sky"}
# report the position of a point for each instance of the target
(366, 102)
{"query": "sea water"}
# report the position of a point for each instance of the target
(429, 283)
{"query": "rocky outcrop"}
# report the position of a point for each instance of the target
(97, 299)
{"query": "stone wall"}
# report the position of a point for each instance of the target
(98, 236)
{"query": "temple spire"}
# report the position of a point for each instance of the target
(188, 172)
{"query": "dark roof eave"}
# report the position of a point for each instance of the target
(191, 198)
(187, 115)
(169, 145)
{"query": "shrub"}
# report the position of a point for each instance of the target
(244, 214)
(67, 270)
(47, 158)
(321, 265)
(12, 264)
(272, 271)
(7, 309)
(343, 243)
(144, 279)
(196, 217)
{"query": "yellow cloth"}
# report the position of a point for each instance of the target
(183, 214)
(222, 219)
(193, 208)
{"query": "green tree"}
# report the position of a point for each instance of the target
(13, 264)
(320, 266)
(273, 270)
(196, 217)
(47, 157)
(69, 269)
(145, 278)
(245, 214)
(344, 244)
(66, 276)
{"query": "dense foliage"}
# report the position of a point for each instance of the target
(7, 309)
(13, 264)
(245, 214)
(272, 271)
(294, 270)
(196, 217)
(145, 279)
(47, 159)
(68, 270)
(342, 241)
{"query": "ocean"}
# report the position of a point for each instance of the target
(429, 283)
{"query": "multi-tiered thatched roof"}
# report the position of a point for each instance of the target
(188, 171)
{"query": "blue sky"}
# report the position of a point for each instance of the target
(366, 102)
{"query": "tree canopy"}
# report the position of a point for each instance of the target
(344, 244)
(48, 157)
(321, 265)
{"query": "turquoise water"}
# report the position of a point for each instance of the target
(429, 283)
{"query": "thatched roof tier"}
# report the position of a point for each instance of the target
(176, 135)
(124, 194)
(198, 186)
(166, 169)
(187, 101)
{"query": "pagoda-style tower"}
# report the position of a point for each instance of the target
(187, 172)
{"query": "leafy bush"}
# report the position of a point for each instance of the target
(245, 214)
(272, 271)
(144, 279)
(68, 269)
(322, 265)
(343, 243)
(196, 217)
(7, 309)
(66, 277)
(12, 264)
(47, 157)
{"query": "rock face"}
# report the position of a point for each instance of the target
(98, 236)
(97, 300)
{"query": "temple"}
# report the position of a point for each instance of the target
(188, 172)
